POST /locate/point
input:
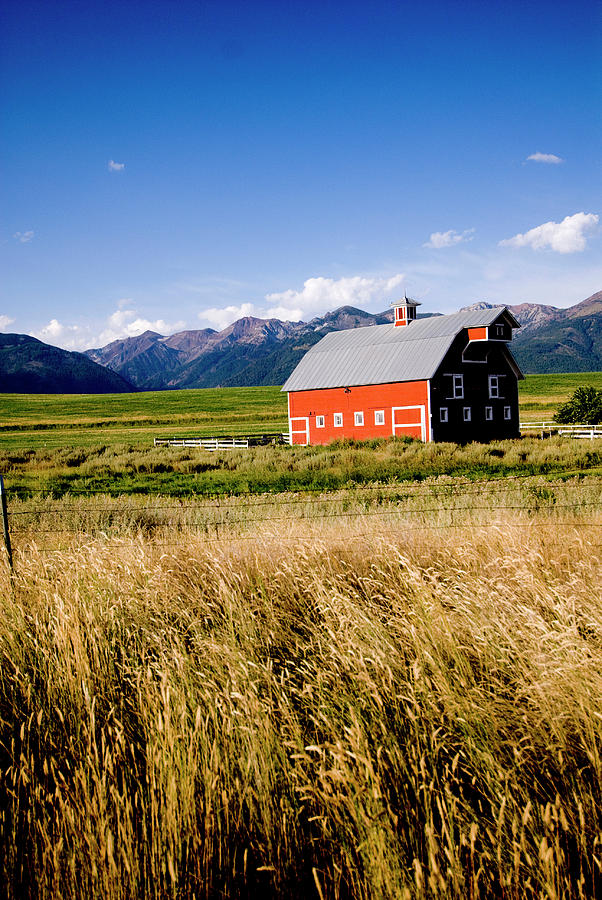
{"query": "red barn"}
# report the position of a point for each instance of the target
(442, 378)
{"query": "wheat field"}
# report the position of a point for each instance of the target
(375, 704)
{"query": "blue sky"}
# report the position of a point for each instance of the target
(177, 165)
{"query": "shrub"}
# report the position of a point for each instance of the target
(583, 408)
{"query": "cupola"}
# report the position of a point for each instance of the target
(405, 310)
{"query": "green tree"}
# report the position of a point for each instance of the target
(583, 408)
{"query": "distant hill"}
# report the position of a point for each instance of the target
(28, 366)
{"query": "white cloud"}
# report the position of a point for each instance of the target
(319, 295)
(286, 313)
(568, 236)
(53, 329)
(115, 166)
(5, 321)
(550, 158)
(439, 239)
(125, 323)
(24, 237)
(70, 337)
(220, 318)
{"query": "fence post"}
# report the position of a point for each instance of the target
(9, 551)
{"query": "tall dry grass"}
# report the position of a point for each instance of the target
(442, 502)
(335, 713)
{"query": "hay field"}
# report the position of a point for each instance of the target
(398, 698)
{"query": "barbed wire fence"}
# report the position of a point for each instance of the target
(223, 518)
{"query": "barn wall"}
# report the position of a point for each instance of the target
(305, 406)
(476, 397)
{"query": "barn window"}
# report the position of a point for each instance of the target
(358, 418)
(458, 386)
(489, 413)
(467, 414)
(494, 386)
(319, 421)
(507, 412)
(499, 330)
(338, 420)
(443, 417)
(379, 417)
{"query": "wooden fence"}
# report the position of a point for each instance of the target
(588, 432)
(226, 442)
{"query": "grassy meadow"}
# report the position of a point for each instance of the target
(122, 470)
(367, 671)
(541, 395)
(388, 702)
(51, 422)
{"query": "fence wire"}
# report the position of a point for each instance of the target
(224, 517)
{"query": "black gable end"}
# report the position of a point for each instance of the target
(474, 397)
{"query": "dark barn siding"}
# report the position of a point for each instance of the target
(476, 395)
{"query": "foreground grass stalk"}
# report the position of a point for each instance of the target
(411, 714)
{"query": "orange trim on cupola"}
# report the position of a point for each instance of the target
(405, 311)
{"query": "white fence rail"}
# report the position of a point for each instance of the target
(588, 432)
(205, 443)
(222, 443)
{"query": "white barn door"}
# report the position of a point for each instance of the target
(299, 426)
(410, 421)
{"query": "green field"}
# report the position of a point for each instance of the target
(541, 395)
(80, 420)
(32, 421)
(57, 444)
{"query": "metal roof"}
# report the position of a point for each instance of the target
(381, 354)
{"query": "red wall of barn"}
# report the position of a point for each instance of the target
(367, 399)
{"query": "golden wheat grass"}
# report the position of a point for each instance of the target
(361, 710)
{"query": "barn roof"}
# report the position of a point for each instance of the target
(381, 354)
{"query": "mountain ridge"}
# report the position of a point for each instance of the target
(248, 349)
(254, 351)
(29, 366)
(264, 351)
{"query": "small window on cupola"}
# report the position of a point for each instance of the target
(405, 311)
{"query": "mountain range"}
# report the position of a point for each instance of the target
(251, 351)
(255, 351)
(559, 340)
